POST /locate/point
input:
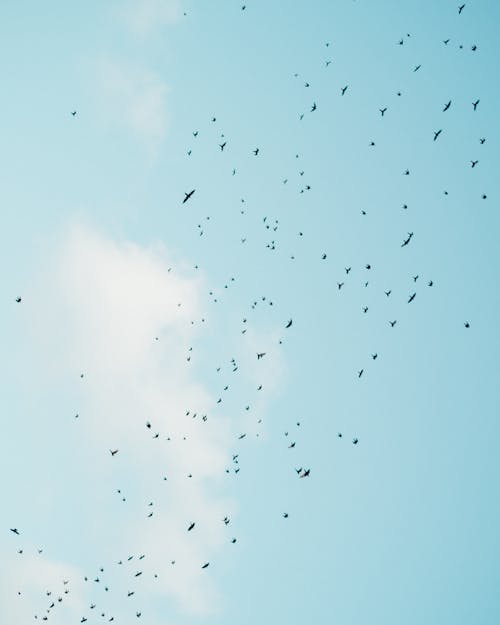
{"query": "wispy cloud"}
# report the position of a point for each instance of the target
(143, 17)
(134, 98)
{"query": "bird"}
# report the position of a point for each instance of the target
(191, 527)
(187, 196)
(446, 41)
(474, 104)
(382, 111)
(436, 134)
(18, 300)
(417, 68)
(14, 530)
(474, 163)
(205, 565)
(407, 240)
(289, 324)
(73, 113)
(344, 89)
(393, 323)
(467, 324)
(387, 293)
(260, 355)
(355, 441)
(340, 285)
(461, 8)
(360, 373)
(412, 297)
(374, 356)
(113, 451)
(222, 146)
(447, 106)
(313, 107)
(482, 140)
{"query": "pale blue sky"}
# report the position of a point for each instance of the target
(401, 528)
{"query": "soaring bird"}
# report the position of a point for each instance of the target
(205, 565)
(73, 113)
(222, 146)
(412, 297)
(474, 163)
(187, 196)
(313, 107)
(447, 106)
(256, 151)
(344, 89)
(436, 134)
(113, 451)
(18, 300)
(260, 355)
(393, 323)
(15, 530)
(289, 324)
(191, 526)
(461, 8)
(474, 104)
(382, 111)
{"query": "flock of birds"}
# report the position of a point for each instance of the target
(56, 596)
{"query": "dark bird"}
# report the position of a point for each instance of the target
(285, 515)
(382, 111)
(412, 297)
(313, 107)
(387, 293)
(360, 373)
(18, 300)
(447, 106)
(393, 323)
(474, 104)
(187, 196)
(417, 68)
(340, 285)
(256, 151)
(222, 146)
(430, 283)
(482, 140)
(205, 565)
(344, 89)
(15, 530)
(446, 41)
(73, 113)
(407, 240)
(374, 356)
(288, 324)
(474, 163)
(347, 269)
(354, 441)
(436, 134)
(113, 451)
(191, 527)
(365, 309)
(461, 8)
(467, 324)
(260, 355)
(407, 172)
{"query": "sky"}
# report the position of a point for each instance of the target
(141, 316)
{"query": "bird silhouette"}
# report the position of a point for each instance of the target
(436, 134)
(187, 196)
(447, 106)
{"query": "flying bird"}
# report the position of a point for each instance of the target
(15, 531)
(447, 106)
(187, 196)
(461, 8)
(344, 89)
(289, 324)
(191, 527)
(412, 297)
(474, 104)
(113, 451)
(436, 134)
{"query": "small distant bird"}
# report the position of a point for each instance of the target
(382, 111)
(191, 527)
(474, 163)
(205, 565)
(482, 140)
(360, 373)
(436, 134)
(285, 515)
(260, 355)
(365, 309)
(447, 106)
(446, 41)
(412, 297)
(374, 356)
(387, 293)
(467, 324)
(222, 146)
(461, 8)
(18, 300)
(344, 89)
(113, 451)
(313, 107)
(417, 68)
(407, 172)
(73, 113)
(354, 441)
(347, 269)
(474, 104)
(289, 324)
(340, 285)
(15, 531)
(407, 240)
(187, 196)
(393, 323)
(430, 283)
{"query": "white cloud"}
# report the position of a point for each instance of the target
(100, 306)
(143, 17)
(134, 98)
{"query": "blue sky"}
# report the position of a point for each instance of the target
(147, 297)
